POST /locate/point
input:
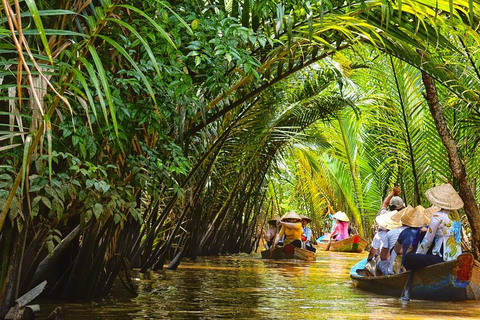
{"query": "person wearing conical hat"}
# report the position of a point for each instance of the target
(414, 220)
(444, 230)
(291, 228)
(341, 228)
(387, 255)
(307, 234)
(270, 233)
(385, 224)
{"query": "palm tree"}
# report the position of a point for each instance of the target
(143, 174)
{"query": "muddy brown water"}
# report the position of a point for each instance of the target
(247, 287)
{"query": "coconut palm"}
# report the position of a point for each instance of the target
(160, 131)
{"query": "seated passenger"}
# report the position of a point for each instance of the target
(387, 255)
(444, 230)
(341, 228)
(307, 234)
(292, 229)
(414, 220)
(271, 231)
(385, 224)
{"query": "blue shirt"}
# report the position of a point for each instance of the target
(406, 238)
(308, 234)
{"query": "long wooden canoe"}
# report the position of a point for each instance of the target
(352, 244)
(281, 253)
(455, 280)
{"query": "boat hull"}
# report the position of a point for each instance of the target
(345, 245)
(281, 253)
(456, 280)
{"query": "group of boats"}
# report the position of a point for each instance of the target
(455, 280)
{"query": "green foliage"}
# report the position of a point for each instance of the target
(191, 118)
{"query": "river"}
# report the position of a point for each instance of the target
(247, 287)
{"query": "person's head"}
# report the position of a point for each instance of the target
(396, 203)
(274, 220)
(444, 196)
(291, 216)
(305, 220)
(341, 216)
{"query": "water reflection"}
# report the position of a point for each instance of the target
(247, 287)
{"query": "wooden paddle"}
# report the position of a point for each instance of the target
(328, 244)
(408, 288)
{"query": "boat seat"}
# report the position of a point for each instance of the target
(364, 273)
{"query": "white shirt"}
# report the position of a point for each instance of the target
(391, 239)
(392, 236)
(379, 239)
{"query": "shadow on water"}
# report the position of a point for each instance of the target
(247, 287)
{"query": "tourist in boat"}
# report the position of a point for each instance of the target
(341, 227)
(444, 230)
(387, 254)
(391, 205)
(392, 201)
(415, 220)
(422, 231)
(271, 231)
(385, 224)
(307, 234)
(291, 228)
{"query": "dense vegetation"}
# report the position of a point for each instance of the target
(134, 131)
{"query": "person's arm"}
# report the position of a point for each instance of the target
(395, 192)
(393, 255)
(291, 225)
(384, 254)
(334, 224)
(429, 236)
(397, 247)
(372, 254)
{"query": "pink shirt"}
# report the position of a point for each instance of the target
(341, 229)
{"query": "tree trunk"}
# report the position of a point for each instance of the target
(455, 162)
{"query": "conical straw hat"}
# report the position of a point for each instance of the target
(385, 220)
(292, 215)
(274, 219)
(340, 215)
(398, 216)
(306, 218)
(445, 197)
(414, 218)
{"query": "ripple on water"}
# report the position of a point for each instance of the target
(247, 287)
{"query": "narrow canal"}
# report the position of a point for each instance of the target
(247, 287)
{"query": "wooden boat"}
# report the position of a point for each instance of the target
(455, 280)
(352, 244)
(289, 252)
